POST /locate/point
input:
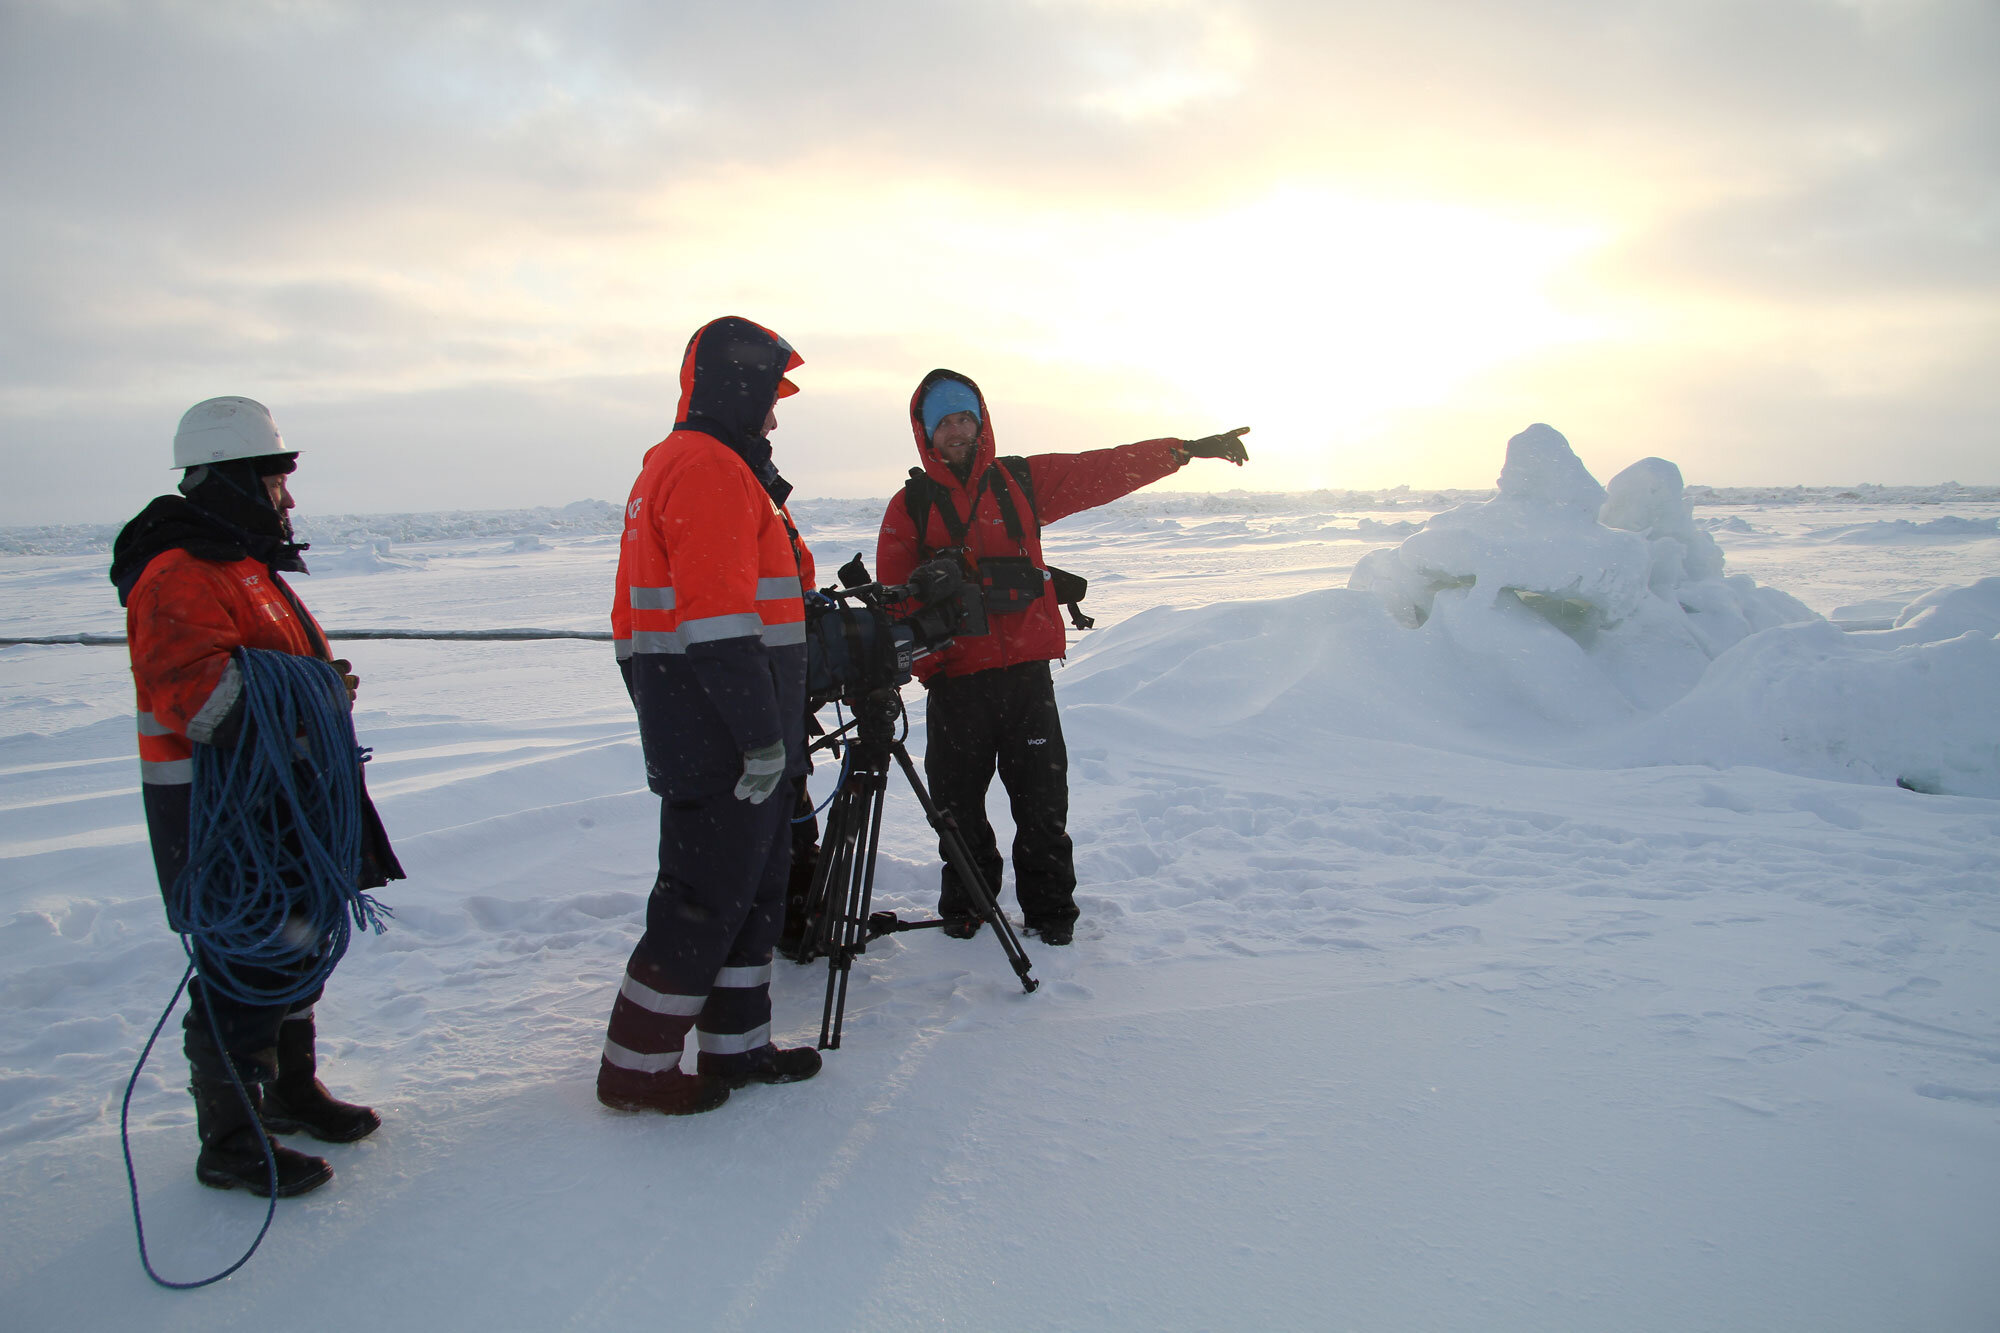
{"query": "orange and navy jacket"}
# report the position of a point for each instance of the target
(192, 597)
(194, 593)
(183, 618)
(1064, 484)
(708, 615)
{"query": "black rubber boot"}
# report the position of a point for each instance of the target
(231, 1156)
(297, 1102)
(794, 1064)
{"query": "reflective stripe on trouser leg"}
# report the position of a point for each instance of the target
(737, 1018)
(706, 914)
(649, 1026)
(735, 1024)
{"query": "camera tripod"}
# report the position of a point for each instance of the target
(839, 923)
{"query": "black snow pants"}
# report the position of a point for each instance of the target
(1005, 719)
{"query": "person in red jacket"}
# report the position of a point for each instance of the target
(200, 575)
(709, 624)
(992, 700)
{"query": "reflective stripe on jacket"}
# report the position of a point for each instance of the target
(709, 617)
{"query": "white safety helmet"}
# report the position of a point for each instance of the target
(220, 429)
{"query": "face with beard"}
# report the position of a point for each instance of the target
(956, 440)
(278, 491)
(250, 497)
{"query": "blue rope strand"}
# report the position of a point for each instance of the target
(132, 1176)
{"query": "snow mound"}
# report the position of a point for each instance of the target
(1950, 528)
(1624, 573)
(1917, 705)
(1318, 669)
(368, 558)
(1944, 613)
(1575, 623)
(1539, 537)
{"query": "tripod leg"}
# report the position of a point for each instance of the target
(858, 815)
(828, 889)
(959, 857)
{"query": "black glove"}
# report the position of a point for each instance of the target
(1228, 445)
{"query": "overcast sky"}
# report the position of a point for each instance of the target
(459, 249)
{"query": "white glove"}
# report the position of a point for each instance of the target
(762, 768)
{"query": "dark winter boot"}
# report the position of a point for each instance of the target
(297, 1102)
(231, 1155)
(1054, 932)
(669, 1091)
(772, 1065)
(962, 927)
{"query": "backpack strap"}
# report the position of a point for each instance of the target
(1004, 498)
(1068, 588)
(921, 495)
(1024, 477)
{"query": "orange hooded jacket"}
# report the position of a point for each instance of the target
(707, 615)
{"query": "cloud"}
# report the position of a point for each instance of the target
(348, 206)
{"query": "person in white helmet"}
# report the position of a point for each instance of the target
(200, 575)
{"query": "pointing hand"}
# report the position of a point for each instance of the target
(1228, 445)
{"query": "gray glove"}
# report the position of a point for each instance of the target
(763, 768)
(1227, 445)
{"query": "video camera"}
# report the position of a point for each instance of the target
(855, 645)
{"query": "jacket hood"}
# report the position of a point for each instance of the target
(169, 523)
(934, 464)
(732, 373)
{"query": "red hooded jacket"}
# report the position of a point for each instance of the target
(1064, 484)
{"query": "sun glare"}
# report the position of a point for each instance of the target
(1318, 319)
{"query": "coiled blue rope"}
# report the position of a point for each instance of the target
(274, 860)
(274, 838)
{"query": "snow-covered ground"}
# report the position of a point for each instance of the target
(1532, 935)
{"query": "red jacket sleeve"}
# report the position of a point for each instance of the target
(1068, 484)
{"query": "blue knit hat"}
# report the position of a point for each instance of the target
(945, 397)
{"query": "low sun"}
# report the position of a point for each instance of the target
(1316, 317)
